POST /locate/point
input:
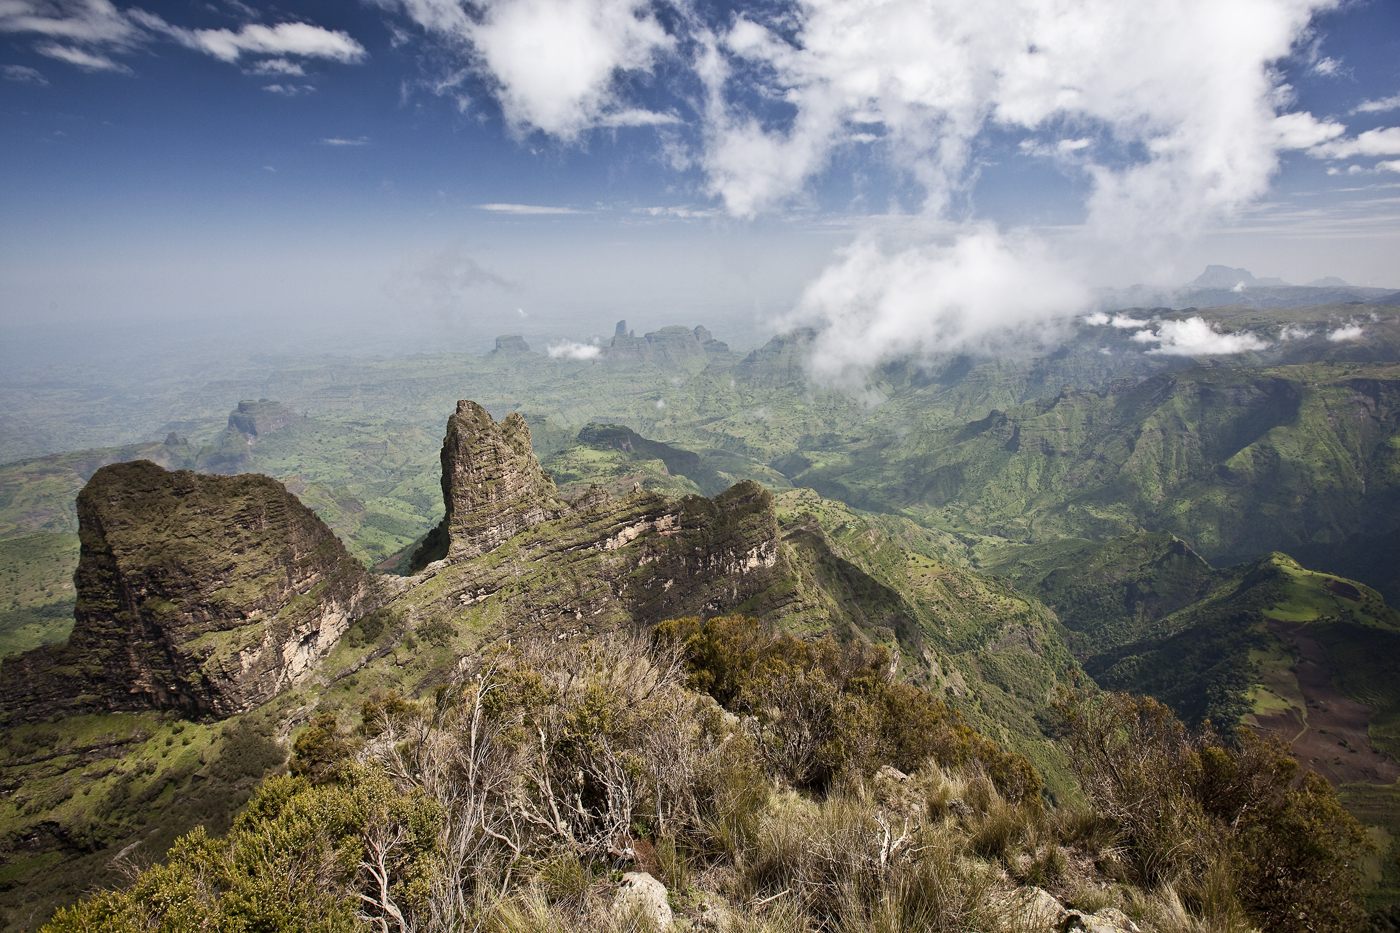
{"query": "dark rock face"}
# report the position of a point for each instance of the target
(637, 559)
(261, 418)
(511, 343)
(207, 594)
(492, 484)
(595, 562)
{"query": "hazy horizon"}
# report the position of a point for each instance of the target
(397, 176)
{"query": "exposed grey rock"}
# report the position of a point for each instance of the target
(1040, 908)
(1107, 920)
(492, 485)
(640, 895)
(641, 557)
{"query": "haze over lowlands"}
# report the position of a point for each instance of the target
(907, 465)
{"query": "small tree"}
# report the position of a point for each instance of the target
(1191, 807)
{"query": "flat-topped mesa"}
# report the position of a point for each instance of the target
(492, 485)
(261, 417)
(207, 594)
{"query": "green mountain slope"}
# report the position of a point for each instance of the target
(1261, 643)
(1234, 461)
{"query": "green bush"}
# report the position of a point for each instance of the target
(288, 864)
(826, 710)
(1227, 823)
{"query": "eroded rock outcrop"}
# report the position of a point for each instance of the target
(670, 346)
(207, 594)
(596, 561)
(492, 485)
(260, 418)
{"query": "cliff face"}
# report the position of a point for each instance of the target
(261, 418)
(519, 553)
(492, 484)
(207, 594)
(212, 594)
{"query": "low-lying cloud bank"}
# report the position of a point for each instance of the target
(1172, 114)
(1196, 336)
(982, 289)
(568, 350)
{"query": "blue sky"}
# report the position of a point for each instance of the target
(898, 169)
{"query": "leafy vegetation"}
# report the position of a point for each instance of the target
(510, 800)
(824, 712)
(992, 530)
(1224, 823)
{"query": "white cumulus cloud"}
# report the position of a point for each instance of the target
(1378, 106)
(1381, 141)
(88, 33)
(1123, 322)
(1349, 332)
(1190, 86)
(277, 66)
(637, 118)
(569, 350)
(23, 74)
(301, 39)
(527, 209)
(555, 64)
(96, 22)
(87, 61)
(1196, 336)
(876, 304)
(1191, 82)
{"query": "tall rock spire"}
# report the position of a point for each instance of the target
(492, 484)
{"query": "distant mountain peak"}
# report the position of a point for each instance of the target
(1224, 277)
(1236, 280)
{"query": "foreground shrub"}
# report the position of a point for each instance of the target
(1229, 825)
(293, 860)
(512, 798)
(821, 711)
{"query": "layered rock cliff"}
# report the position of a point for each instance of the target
(492, 485)
(207, 594)
(517, 551)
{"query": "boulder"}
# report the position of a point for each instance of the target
(1041, 908)
(643, 897)
(1107, 920)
